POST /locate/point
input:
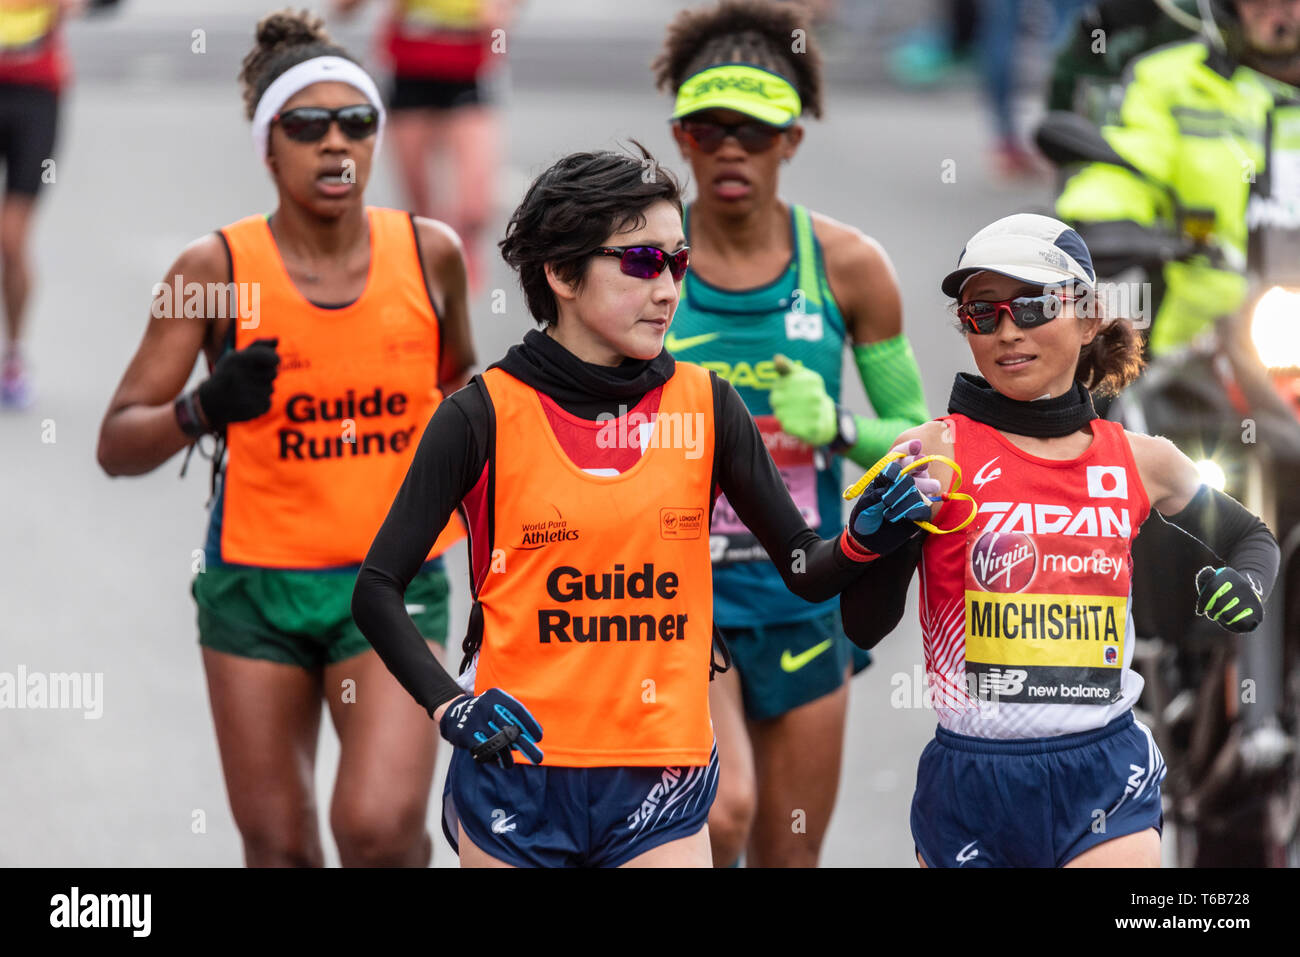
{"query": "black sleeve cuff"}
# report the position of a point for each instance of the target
(1233, 532)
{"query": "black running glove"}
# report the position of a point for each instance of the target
(240, 386)
(885, 515)
(1229, 598)
(490, 726)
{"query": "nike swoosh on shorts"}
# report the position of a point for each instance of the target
(791, 662)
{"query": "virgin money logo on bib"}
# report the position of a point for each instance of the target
(1004, 561)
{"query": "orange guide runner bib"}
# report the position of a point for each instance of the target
(598, 607)
(308, 484)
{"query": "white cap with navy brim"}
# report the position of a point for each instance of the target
(1026, 246)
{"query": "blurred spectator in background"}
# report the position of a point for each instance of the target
(997, 35)
(986, 36)
(33, 71)
(928, 54)
(442, 55)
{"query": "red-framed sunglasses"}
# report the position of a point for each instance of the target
(647, 262)
(982, 316)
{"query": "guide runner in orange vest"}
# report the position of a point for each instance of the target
(586, 464)
(331, 330)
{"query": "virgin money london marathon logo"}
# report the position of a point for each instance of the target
(1004, 561)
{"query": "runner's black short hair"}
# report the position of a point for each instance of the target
(572, 209)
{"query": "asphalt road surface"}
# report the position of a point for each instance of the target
(95, 572)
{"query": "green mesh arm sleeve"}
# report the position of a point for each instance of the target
(893, 383)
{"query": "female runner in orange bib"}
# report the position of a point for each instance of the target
(331, 330)
(586, 464)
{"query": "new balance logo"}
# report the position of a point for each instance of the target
(996, 683)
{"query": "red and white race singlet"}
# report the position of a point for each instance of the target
(1026, 614)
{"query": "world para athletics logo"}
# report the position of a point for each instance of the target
(1004, 561)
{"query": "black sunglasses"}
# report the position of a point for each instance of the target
(647, 262)
(307, 124)
(753, 137)
(982, 316)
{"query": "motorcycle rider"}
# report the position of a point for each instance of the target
(1087, 72)
(1195, 120)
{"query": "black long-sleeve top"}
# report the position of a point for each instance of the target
(873, 607)
(453, 454)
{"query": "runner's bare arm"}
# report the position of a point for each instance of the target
(443, 259)
(865, 286)
(1169, 477)
(862, 279)
(139, 431)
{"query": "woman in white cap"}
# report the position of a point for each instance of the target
(1037, 760)
(334, 330)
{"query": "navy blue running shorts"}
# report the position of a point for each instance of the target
(1034, 802)
(540, 816)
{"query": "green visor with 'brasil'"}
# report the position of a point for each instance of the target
(746, 89)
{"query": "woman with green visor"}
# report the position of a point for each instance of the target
(774, 295)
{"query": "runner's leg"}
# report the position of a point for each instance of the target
(387, 752)
(474, 142)
(267, 718)
(15, 226)
(472, 856)
(732, 814)
(413, 134)
(1132, 850)
(797, 757)
(692, 851)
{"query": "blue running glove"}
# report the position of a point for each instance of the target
(1229, 598)
(885, 514)
(490, 726)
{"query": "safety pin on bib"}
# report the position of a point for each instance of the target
(858, 487)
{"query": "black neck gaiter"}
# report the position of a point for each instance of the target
(1042, 418)
(581, 387)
